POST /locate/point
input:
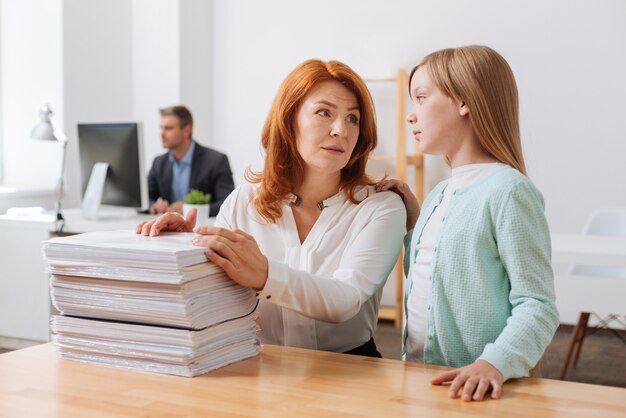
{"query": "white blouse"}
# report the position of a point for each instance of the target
(324, 293)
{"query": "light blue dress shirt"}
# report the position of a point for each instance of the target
(181, 172)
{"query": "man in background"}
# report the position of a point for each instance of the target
(187, 165)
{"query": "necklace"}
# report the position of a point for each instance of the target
(297, 201)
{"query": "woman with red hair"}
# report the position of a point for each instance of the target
(309, 232)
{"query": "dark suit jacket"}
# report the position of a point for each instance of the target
(210, 173)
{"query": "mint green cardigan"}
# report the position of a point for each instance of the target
(491, 288)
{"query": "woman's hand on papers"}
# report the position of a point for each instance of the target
(168, 222)
(236, 252)
(475, 380)
(409, 199)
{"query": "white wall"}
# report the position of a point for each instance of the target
(156, 66)
(97, 77)
(1, 115)
(568, 57)
(171, 65)
(32, 75)
(195, 65)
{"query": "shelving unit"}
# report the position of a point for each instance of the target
(403, 161)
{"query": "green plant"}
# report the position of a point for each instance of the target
(197, 197)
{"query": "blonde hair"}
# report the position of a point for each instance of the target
(482, 79)
(284, 168)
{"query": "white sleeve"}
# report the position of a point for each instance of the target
(224, 218)
(363, 270)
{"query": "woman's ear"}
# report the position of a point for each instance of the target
(463, 109)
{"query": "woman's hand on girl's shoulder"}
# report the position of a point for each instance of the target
(168, 222)
(409, 199)
(475, 380)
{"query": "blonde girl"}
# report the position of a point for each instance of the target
(479, 293)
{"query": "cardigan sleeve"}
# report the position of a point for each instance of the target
(523, 241)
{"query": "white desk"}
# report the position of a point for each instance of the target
(588, 250)
(74, 222)
(574, 294)
(24, 294)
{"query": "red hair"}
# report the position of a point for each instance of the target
(284, 168)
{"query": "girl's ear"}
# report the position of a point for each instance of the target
(463, 109)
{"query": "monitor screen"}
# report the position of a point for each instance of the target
(119, 145)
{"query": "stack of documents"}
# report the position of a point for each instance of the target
(176, 351)
(148, 303)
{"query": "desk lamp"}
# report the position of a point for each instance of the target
(48, 129)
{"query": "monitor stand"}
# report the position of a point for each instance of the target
(93, 194)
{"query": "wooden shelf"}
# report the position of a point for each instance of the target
(402, 162)
(387, 312)
(382, 157)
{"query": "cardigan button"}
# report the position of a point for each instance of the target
(268, 297)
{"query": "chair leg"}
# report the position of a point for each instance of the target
(572, 344)
(581, 337)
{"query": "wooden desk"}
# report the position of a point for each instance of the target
(281, 381)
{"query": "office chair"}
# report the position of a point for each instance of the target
(604, 222)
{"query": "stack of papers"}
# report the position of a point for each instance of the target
(148, 303)
(156, 349)
(197, 304)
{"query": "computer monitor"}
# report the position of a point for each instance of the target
(111, 166)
